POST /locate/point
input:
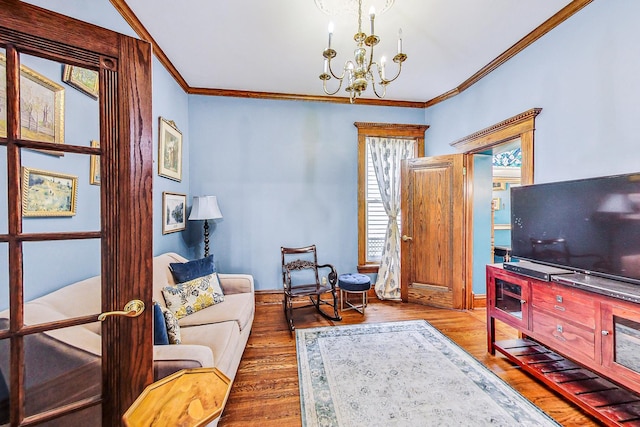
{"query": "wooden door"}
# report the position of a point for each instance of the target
(125, 359)
(433, 253)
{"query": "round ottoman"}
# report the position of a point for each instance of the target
(356, 284)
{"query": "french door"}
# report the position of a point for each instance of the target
(73, 195)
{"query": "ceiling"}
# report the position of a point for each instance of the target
(276, 46)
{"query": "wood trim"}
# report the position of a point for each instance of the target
(564, 14)
(129, 189)
(390, 130)
(519, 126)
(503, 131)
(479, 301)
(297, 97)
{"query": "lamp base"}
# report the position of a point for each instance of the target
(206, 238)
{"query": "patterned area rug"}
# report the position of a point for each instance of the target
(401, 374)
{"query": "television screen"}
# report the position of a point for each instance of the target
(589, 225)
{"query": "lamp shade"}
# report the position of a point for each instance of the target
(205, 207)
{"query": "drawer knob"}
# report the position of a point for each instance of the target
(523, 301)
(559, 328)
(605, 333)
(559, 298)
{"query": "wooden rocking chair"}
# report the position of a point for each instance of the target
(301, 278)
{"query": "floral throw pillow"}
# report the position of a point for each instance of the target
(173, 329)
(186, 298)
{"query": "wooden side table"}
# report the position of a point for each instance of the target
(190, 397)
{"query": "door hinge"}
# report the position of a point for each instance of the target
(464, 170)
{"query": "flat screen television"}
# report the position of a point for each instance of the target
(590, 225)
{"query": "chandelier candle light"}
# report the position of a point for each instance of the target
(360, 71)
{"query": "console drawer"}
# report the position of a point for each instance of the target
(571, 339)
(565, 302)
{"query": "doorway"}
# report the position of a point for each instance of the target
(520, 129)
(495, 171)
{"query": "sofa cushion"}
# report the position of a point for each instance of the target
(173, 327)
(160, 335)
(186, 271)
(237, 307)
(222, 338)
(189, 297)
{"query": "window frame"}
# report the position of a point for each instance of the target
(379, 130)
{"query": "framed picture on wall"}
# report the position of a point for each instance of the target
(41, 107)
(169, 150)
(48, 193)
(86, 81)
(94, 169)
(174, 207)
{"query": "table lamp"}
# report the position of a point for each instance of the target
(205, 208)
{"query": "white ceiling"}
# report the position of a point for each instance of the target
(276, 45)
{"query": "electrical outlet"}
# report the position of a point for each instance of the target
(324, 280)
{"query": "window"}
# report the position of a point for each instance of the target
(372, 218)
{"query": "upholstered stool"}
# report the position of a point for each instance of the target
(353, 283)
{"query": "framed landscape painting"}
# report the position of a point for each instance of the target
(41, 107)
(94, 169)
(169, 150)
(48, 193)
(173, 212)
(86, 81)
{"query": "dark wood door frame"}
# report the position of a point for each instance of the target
(124, 66)
(520, 126)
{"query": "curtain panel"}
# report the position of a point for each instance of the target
(386, 156)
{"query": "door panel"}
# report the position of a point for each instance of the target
(433, 252)
(95, 240)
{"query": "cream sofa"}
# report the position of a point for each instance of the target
(215, 336)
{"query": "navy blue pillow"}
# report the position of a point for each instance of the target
(185, 271)
(160, 335)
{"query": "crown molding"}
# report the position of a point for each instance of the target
(548, 25)
(564, 14)
(296, 97)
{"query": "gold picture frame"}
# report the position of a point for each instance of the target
(86, 81)
(174, 212)
(41, 107)
(48, 194)
(94, 163)
(169, 150)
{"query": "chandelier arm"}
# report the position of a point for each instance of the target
(387, 81)
(334, 75)
(384, 89)
(324, 87)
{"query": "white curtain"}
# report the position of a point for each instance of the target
(386, 156)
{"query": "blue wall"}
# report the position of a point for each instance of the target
(57, 264)
(285, 174)
(584, 75)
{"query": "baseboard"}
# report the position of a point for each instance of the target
(275, 296)
(479, 301)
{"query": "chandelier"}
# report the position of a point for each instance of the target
(361, 71)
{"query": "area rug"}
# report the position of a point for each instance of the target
(401, 374)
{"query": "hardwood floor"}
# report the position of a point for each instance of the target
(265, 391)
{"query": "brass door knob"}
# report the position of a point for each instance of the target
(133, 309)
(406, 238)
